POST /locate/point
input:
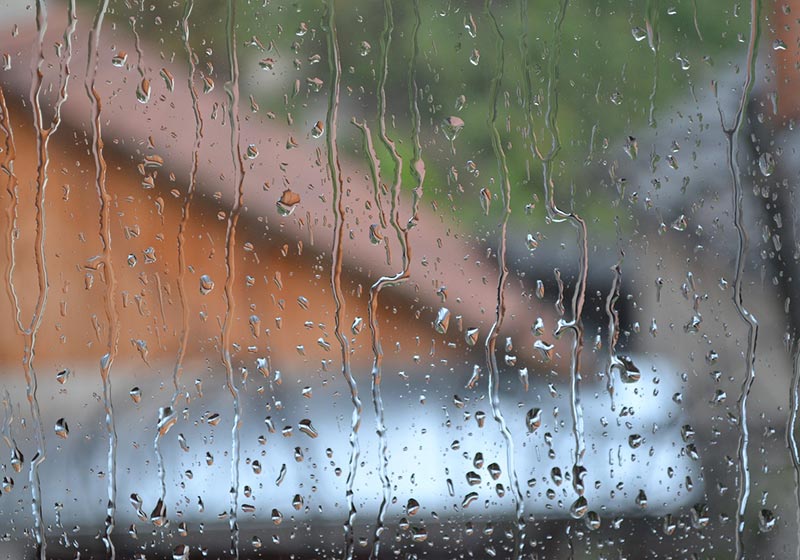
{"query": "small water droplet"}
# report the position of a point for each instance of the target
(442, 321)
(579, 508)
(206, 284)
(158, 517)
(167, 417)
(61, 428)
(766, 164)
(119, 59)
(451, 127)
(169, 79)
(143, 91)
(475, 57)
(533, 419)
(766, 520)
(288, 202)
(468, 499)
(307, 428)
(486, 200)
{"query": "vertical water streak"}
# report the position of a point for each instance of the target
(11, 211)
(112, 342)
(654, 41)
(181, 241)
(791, 429)
(614, 363)
(575, 324)
(43, 135)
(732, 135)
(384, 281)
(337, 187)
(494, 331)
(374, 164)
(232, 89)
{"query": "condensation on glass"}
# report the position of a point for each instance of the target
(384, 279)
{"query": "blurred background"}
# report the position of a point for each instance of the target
(380, 279)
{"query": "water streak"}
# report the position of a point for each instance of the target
(232, 90)
(556, 215)
(43, 135)
(494, 331)
(384, 281)
(791, 429)
(112, 317)
(732, 135)
(182, 226)
(337, 187)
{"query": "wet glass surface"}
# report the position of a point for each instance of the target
(382, 279)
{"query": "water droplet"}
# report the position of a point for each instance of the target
(167, 417)
(143, 91)
(628, 372)
(266, 63)
(169, 79)
(471, 26)
(680, 223)
(318, 130)
(475, 57)
(471, 336)
(255, 325)
(442, 320)
(412, 507)
(766, 164)
(307, 428)
(365, 48)
(375, 235)
(158, 517)
(533, 419)
(136, 395)
(206, 284)
(639, 34)
(288, 202)
(180, 552)
(119, 59)
(61, 428)
(592, 520)
(17, 459)
(468, 499)
(451, 127)
(766, 520)
(641, 499)
(486, 200)
(579, 508)
(545, 349)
